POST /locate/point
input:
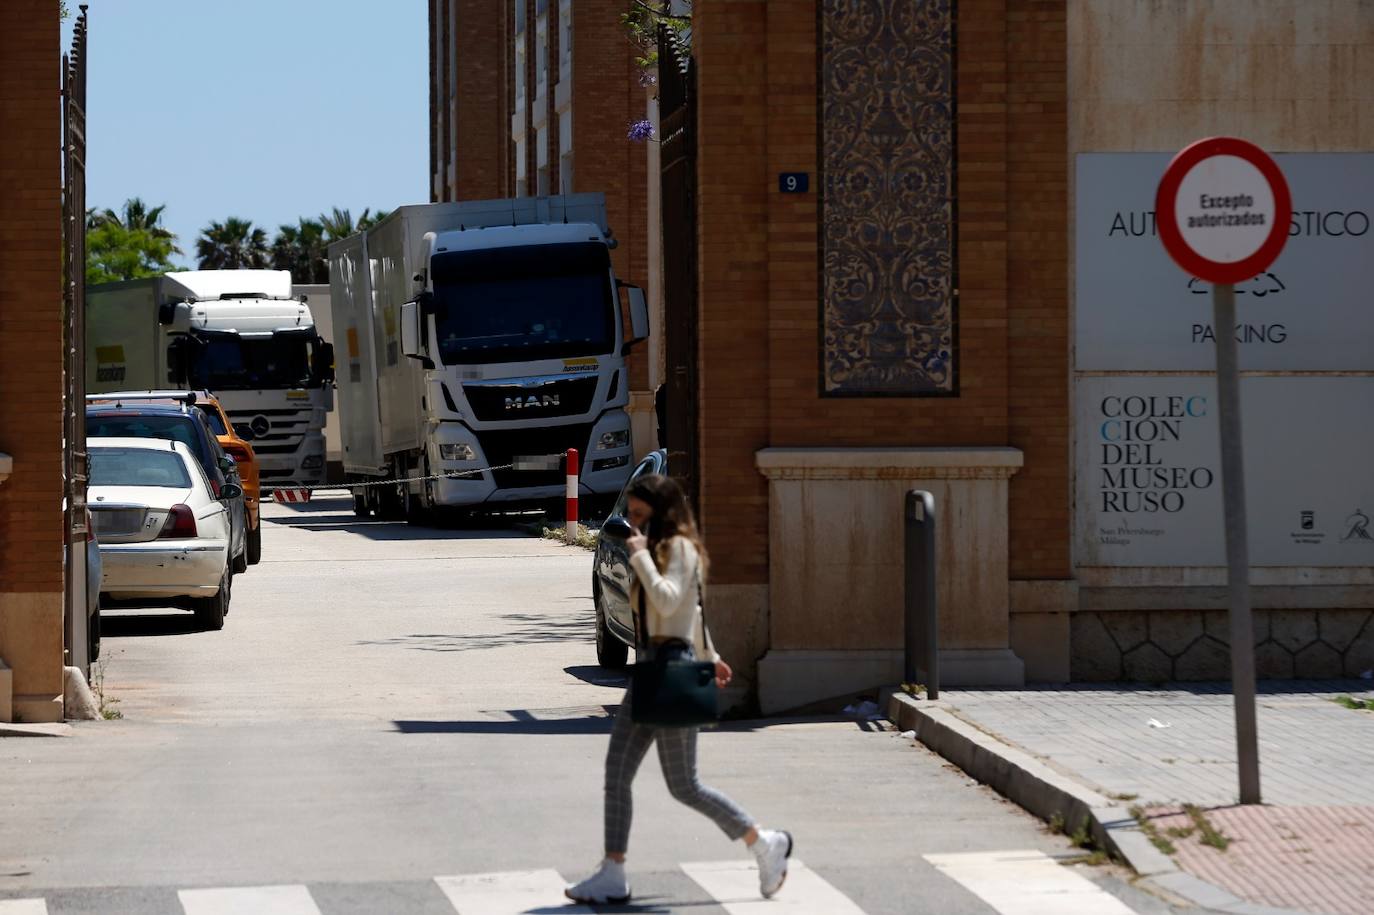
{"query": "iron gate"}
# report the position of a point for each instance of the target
(74, 459)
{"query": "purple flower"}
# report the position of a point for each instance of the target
(641, 130)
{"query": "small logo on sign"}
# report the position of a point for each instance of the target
(1308, 520)
(1357, 528)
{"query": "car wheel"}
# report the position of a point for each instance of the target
(93, 636)
(212, 610)
(610, 651)
(255, 545)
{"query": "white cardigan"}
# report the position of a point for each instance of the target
(673, 598)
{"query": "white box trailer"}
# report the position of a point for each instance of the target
(478, 342)
(237, 333)
(316, 298)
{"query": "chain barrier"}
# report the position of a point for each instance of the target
(452, 475)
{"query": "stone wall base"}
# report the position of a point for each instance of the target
(789, 679)
(1156, 646)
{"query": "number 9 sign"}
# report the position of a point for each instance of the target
(794, 182)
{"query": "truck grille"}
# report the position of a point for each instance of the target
(285, 429)
(558, 397)
(504, 445)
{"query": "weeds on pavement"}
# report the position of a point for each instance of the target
(586, 538)
(1210, 834)
(1151, 832)
(107, 705)
(1353, 703)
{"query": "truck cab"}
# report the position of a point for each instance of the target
(501, 347)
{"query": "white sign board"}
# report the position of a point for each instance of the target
(1135, 310)
(1149, 477)
(1225, 227)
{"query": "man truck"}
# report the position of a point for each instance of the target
(478, 342)
(239, 334)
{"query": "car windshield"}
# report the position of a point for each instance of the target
(228, 362)
(137, 467)
(516, 304)
(113, 425)
(213, 417)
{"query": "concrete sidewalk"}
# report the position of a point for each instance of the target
(1109, 758)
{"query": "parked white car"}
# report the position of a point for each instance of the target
(164, 537)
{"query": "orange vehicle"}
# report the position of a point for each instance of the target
(247, 462)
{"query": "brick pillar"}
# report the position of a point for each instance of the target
(31, 523)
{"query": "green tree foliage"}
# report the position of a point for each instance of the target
(642, 21)
(302, 250)
(129, 244)
(235, 244)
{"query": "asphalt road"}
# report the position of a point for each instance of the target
(387, 706)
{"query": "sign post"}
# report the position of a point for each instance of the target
(1222, 211)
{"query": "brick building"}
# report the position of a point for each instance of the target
(969, 297)
(31, 520)
(958, 289)
(535, 97)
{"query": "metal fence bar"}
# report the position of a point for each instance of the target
(922, 617)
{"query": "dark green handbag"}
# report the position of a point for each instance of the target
(672, 689)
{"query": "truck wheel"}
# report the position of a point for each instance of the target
(212, 610)
(255, 545)
(611, 653)
(360, 509)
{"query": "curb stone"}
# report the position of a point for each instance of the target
(1025, 780)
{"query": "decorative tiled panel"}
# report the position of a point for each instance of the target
(887, 166)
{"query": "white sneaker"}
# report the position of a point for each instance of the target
(606, 885)
(772, 848)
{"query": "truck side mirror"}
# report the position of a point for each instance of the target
(411, 344)
(639, 315)
(176, 361)
(323, 369)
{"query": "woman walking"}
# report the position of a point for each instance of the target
(669, 562)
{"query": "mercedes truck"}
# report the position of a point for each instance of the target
(478, 342)
(239, 334)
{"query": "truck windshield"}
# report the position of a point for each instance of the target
(228, 362)
(530, 302)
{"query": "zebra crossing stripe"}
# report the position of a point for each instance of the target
(735, 886)
(23, 907)
(1027, 883)
(243, 900)
(509, 893)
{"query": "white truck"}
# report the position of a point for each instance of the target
(239, 334)
(316, 297)
(478, 342)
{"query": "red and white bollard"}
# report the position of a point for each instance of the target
(571, 513)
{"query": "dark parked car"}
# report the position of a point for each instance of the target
(615, 627)
(109, 417)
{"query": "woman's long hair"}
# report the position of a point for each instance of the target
(672, 516)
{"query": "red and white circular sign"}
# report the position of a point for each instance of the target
(1222, 210)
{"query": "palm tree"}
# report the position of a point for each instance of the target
(234, 244)
(301, 249)
(136, 217)
(339, 223)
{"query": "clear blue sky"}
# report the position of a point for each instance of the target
(264, 109)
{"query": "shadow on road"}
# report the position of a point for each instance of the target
(526, 629)
(145, 624)
(599, 676)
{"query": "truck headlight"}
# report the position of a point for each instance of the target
(612, 440)
(313, 462)
(457, 453)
